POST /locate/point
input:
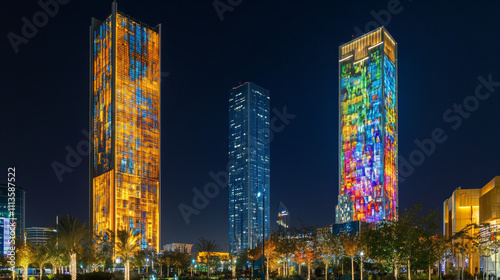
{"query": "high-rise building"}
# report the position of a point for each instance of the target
(368, 128)
(125, 127)
(249, 173)
(283, 220)
(39, 235)
(6, 218)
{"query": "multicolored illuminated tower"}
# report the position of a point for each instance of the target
(368, 128)
(125, 127)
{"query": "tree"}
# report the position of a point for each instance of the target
(270, 252)
(138, 260)
(254, 254)
(382, 244)
(300, 258)
(208, 246)
(324, 246)
(166, 259)
(55, 255)
(180, 261)
(350, 244)
(25, 255)
(309, 259)
(127, 243)
(71, 235)
(41, 256)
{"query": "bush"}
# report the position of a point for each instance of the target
(98, 276)
(62, 277)
(389, 277)
(449, 277)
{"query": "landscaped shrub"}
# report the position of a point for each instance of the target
(449, 277)
(98, 276)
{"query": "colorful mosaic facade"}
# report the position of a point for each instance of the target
(125, 128)
(368, 129)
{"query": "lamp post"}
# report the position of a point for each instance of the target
(263, 231)
(361, 265)
(192, 264)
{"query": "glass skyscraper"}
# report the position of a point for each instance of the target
(6, 218)
(249, 173)
(368, 128)
(125, 127)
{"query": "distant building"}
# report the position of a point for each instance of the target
(218, 261)
(283, 218)
(39, 235)
(349, 227)
(5, 216)
(178, 247)
(202, 256)
(249, 166)
(474, 206)
(325, 230)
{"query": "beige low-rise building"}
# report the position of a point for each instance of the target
(473, 206)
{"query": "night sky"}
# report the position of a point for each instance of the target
(288, 47)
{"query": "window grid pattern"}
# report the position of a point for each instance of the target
(128, 197)
(249, 169)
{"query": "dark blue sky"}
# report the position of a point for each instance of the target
(288, 47)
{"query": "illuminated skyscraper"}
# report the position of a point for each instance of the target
(8, 217)
(249, 172)
(125, 127)
(368, 142)
(283, 218)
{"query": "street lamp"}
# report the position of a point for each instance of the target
(361, 265)
(192, 264)
(263, 230)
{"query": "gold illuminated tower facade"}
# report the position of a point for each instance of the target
(125, 127)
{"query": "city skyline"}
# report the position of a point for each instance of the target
(287, 47)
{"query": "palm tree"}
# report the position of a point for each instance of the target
(139, 260)
(127, 244)
(42, 257)
(166, 259)
(71, 235)
(208, 246)
(55, 255)
(25, 255)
